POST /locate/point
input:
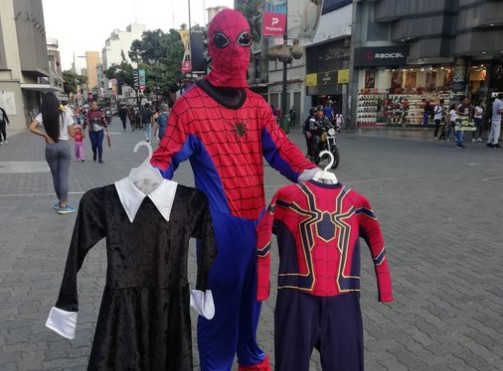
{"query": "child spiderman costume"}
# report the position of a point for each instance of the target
(225, 129)
(318, 228)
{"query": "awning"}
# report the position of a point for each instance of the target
(39, 87)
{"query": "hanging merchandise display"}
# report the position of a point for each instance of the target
(318, 225)
(144, 319)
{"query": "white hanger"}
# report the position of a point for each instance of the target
(145, 177)
(326, 175)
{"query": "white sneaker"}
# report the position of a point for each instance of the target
(473, 140)
(4, 142)
(1, 143)
(479, 139)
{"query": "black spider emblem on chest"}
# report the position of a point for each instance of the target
(239, 129)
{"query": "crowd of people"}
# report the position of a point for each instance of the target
(58, 123)
(452, 123)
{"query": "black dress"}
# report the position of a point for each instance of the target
(144, 320)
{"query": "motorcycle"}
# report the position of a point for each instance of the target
(328, 142)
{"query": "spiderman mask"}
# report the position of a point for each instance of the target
(229, 48)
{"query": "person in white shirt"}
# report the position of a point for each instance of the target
(478, 113)
(494, 134)
(438, 111)
(58, 127)
(452, 116)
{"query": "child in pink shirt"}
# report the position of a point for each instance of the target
(79, 142)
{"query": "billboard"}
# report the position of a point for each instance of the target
(274, 19)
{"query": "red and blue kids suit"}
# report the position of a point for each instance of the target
(318, 227)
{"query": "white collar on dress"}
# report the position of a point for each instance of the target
(131, 197)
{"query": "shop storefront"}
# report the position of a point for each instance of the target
(397, 96)
(390, 92)
(328, 74)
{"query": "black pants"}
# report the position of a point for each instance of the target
(123, 119)
(437, 126)
(3, 132)
(332, 325)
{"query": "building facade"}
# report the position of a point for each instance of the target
(321, 74)
(24, 66)
(92, 64)
(118, 44)
(408, 53)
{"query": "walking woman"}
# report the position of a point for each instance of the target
(98, 123)
(58, 131)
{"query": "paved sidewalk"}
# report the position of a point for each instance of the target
(440, 210)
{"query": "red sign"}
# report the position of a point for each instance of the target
(186, 66)
(273, 24)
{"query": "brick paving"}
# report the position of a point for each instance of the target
(440, 210)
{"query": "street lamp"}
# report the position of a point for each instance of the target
(285, 53)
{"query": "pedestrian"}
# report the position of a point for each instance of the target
(58, 127)
(478, 113)
(123, 115)
(426, 113)
(133, 122)
(339, 121)
(328, 111)
(452, 116)
(293, 116)
(78, 137)
(162, 122)
(443, 129)
(4, 120)
(98, 124)
(226, 130)
(147, 118)
(307, 133)
(497, 111)
(438, 111)
(464, 111)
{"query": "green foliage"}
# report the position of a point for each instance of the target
(122, 72)
(160, 54)
(72, 80)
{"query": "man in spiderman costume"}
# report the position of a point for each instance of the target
(225, 130)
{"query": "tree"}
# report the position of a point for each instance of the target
(165, 51)
(71, 80)
(123, 72)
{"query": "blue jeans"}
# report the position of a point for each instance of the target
(96, 138)
(426, 116)
(459, 138)
(58, 156)
(147, 129)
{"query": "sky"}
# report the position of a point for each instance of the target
(86, 26)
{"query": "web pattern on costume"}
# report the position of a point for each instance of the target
(230, 144)
(229, 64)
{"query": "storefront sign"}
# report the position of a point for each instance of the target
(274, 20)
(458, 84)
(311, 79)
(343, 76)
(142, 79)
(327, 78)
(381, 56)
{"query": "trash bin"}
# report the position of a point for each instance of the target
(285, 124)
